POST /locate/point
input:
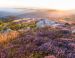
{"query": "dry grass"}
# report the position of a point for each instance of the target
(8, 36)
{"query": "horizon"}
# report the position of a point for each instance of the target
(37, 8)
(39, 4)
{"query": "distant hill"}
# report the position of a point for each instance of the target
(44, 14)
(35, 13)
(14, 12)
(5, 14)
(70, 11)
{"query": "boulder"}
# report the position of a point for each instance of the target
(44, 23)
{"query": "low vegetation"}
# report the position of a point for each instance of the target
(4, 25)
(46, 42)
(38, 43)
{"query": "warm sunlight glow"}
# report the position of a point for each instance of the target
(50, 4)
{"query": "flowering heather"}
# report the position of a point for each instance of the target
(39, 43)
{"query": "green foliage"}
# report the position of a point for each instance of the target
(1, 25)
(36, 55)
(15, 26)
(6, 23)
(32, 25)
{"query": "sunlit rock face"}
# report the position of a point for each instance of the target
(45, 22)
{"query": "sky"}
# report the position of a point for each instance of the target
(49, 4)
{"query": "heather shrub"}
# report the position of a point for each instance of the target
(38, 43)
